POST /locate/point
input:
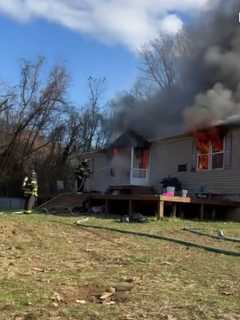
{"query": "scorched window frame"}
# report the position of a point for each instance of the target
(210, 155)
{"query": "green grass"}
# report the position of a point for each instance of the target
(49, 265)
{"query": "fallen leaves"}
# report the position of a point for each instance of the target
(106, 295)
(55, 304)
(166, 263)
(57, 297)
(227, 293)
(38, 269)
(81, 301)
(230, 316)
(66, 270)
(124, 286)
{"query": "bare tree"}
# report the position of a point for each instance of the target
(35, 106)
(40, 127)
(82, 129)
(160, 60)
(92, 118)
(70, 135)
(3, 105)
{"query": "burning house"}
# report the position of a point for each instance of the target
(190, 130)
(205, 160)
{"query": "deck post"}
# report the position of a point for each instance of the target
(130, 207)
(107, 206)
(202, 211)
(213, 215)
(181, 212)
(160, 211)
(174, 212)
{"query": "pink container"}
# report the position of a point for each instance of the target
(168, 194)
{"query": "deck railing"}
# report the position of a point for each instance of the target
(139, 173)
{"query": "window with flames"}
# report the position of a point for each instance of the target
(210, 150)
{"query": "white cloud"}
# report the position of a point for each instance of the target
(128, 22)
(171, 24)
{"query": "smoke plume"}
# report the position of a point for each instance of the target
(207, 90)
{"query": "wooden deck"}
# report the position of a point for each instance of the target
(162, 200)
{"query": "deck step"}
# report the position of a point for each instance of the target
(66, 200)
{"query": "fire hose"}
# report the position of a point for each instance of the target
(164, 238)
(218, 237)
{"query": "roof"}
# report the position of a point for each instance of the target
(130, 139)
(86, 155)
(231, 122)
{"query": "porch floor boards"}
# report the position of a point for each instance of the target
(161, 200)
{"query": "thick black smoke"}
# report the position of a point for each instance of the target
(208, 90)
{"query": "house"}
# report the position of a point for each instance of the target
(206, 160)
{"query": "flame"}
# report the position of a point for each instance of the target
(213, 137)
(204, 138)
(115, 152)
(143, 158)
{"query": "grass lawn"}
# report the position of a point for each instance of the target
(52, 268)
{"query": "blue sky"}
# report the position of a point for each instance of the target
(83, 56)
(97, 38)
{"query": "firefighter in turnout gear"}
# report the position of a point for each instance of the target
(30, 189)
(82, 172)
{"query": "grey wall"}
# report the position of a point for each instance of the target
(101, 178)
(11, 203)
(166, 155)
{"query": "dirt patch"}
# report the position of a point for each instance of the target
(90, 293)
(87, 292)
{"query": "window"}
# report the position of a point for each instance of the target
(210, 154)
(141, 158)
(218, 154)
(182, 167)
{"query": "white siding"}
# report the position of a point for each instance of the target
(101, 178)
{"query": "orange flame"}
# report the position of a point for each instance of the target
(205, 137)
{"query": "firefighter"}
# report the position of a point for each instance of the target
(30, 189)
(82, 172)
